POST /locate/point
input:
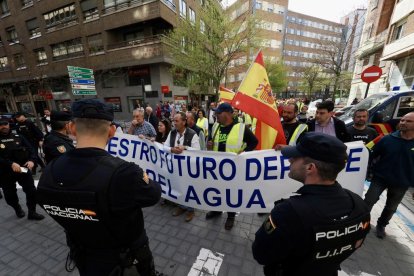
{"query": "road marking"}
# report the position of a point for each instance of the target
(207, 264)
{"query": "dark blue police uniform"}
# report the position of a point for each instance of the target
(313, 232)
(57, 143)
(14, 148)
(97, 198)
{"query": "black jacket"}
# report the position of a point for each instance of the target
(340, 129)
(55, 145)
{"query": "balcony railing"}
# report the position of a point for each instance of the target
(132, 3)
(5, 68)
(67, 56)
(136, 42)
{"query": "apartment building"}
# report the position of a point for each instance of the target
(370, 51)
(271, 20)
(119, 39)
(399, 46)
(305, 36)
(354, 24)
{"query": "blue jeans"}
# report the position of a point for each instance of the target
(394, 197)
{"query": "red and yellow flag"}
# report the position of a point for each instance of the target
(255, 97)
(225, 95)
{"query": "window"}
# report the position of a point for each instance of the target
(192, 15)
(19, 61)
(62, 16)
(27, 3)
(40, 55)
(33, 28)
(183, 8)
(259, 5)
(270, 7)
(399, 31)
(67, 49)
(4, 7)
(95, 44)
(12, 35)
(202, 26)
(405, 105)
(4, 64)
(89, 9)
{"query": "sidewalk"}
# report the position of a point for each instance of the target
(180, 248)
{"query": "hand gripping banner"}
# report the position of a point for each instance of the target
(249, 182)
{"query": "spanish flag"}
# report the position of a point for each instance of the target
(225, 95)
(255, 97)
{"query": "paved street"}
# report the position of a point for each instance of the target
(180, 248)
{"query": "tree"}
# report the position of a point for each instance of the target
(277, 75)
(203, 48)
(311, 78)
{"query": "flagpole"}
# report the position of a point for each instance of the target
(248, 70)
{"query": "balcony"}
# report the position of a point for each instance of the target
(5, 68)
(402, 9)
(399, 48)
(131, 3)
(371, 45)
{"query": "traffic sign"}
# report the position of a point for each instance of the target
(77, 92)
(81, 81)
(81, 76)
(80, 70)
(371, 74)
(83, 86)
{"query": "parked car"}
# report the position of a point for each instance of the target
(385, 108)
(312, 109)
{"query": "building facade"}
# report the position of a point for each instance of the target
(305, 37)
(119, 39)
(354, 24)
(399, 46)
(271, 16)
(370, 51)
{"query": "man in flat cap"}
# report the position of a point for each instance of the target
(98, 198)
(17, 158)
(313, 232)
(57, 141)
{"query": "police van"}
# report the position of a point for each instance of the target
(385, 109)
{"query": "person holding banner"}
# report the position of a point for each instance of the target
(313, 232)
(393, 163)
(229, 136)
(182, 138)
(98, 199)
(292, 128)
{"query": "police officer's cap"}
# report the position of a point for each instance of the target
(318, 146)
(92, 109)
(3, 122)
(60, 115)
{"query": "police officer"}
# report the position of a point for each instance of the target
(57, 141)
(98, 198)
(313, 232)
(16, 161)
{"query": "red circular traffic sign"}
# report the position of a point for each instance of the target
(371, 74)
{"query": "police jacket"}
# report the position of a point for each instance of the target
(56, 144)
(30, 131)
(313, 232)
(97, 198)
(14, 148)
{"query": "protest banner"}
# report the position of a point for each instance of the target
(249, 182)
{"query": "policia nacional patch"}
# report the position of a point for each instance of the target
(61, 149)
(268, 225)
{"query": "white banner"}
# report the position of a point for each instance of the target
(207, 180)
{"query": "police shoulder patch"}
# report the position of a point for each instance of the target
(145, 177)
(269, 225)
(61, 149)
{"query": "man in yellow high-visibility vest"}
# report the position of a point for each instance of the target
(229, 136)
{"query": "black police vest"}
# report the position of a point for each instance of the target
(11, 148)
(188, 136)
(82, 208)
(333, 240)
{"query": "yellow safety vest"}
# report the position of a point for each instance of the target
(298, 131)
(234, 142)
(200, 123)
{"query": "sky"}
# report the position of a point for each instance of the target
(331, 10)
